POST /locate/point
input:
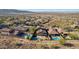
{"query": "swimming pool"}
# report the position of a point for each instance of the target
(56, 38)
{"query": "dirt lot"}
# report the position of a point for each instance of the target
(18, 43)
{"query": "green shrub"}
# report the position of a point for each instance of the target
(74, 36)
(32, 29)
(1, 21)
(62, 41)
(56, 47)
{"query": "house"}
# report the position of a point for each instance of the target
(5, 31)
(40, 33)
(56, 33)
(22, 29)
(13, 32)
(24, 35)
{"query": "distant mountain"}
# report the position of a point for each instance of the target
(13, 11)
(55, 10)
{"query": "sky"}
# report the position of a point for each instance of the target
(39, 4)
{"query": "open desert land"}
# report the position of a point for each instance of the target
(39, 30)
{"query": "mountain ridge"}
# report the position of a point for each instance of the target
(13, 11)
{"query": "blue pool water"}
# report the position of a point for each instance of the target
(56, 38)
